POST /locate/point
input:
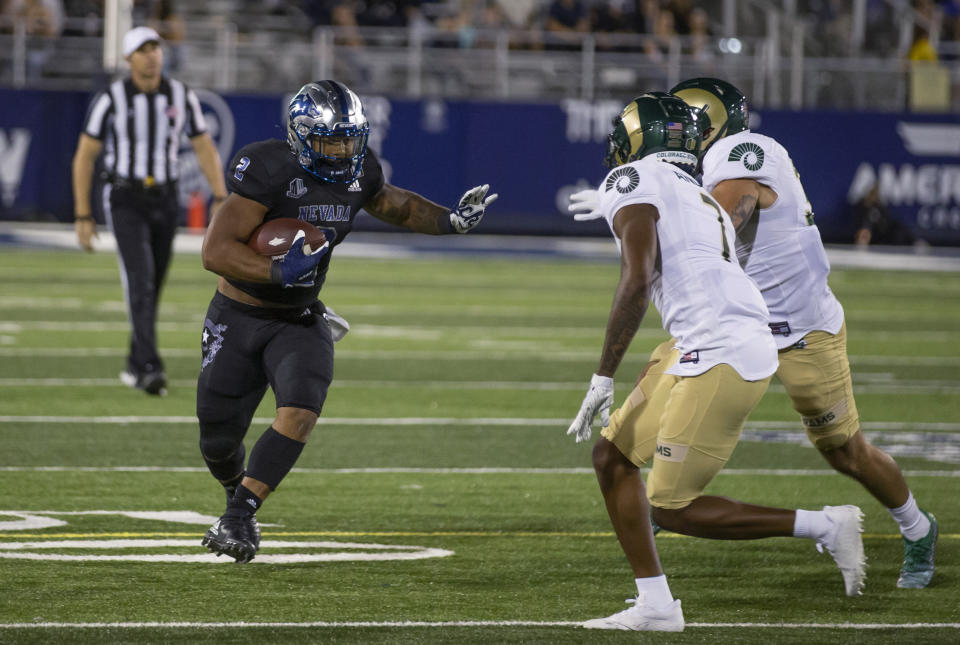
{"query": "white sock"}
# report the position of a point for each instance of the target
(913, 524)
(811, 524)
(655, 592)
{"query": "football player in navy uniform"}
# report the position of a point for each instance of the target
(265, 325)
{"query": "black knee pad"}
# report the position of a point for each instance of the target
(219, 442)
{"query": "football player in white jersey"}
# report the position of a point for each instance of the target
(753, 178)
(677, 249)
(779, 246)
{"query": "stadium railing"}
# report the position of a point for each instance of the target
(778, 70)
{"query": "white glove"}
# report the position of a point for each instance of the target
(599, 398)
(586, 205)
(338, 324)
(470, 208)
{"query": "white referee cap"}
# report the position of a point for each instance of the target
(136, 37)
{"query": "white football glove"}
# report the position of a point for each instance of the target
(470, 208)
(338, 324)
(586, 205)
(599, 398)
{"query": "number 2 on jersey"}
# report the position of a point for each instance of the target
(723, 233)
(241, 166)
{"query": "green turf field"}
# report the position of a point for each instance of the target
(439, 499)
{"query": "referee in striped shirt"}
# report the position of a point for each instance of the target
(138, 122)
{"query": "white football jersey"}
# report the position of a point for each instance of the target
(780, 249)
(705, 299)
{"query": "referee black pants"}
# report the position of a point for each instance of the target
(144, 224)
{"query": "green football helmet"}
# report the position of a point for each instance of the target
(656, 123)
(724, 105)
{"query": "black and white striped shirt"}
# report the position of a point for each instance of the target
(141, 132)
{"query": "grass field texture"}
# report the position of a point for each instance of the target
(439, 499)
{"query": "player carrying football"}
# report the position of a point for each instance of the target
(265, 325)
(676, 247)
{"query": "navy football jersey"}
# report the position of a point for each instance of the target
(267, 172)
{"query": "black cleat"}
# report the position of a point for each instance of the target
(238, 537)
(154, 383)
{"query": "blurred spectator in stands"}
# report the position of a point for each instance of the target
(279, 8)
(489, 21)
(921, 49)
(566, 20)
(612, 17)
(519, 14)
(6, 17)
(657, 46)
(681, 15)
(475, 24)
(40, 17)
(833, 26)
(875, 224)
(645, 15)
(701, 42)
(949, 49)
(341, 14)
(881, 32)
(525, 20)
(83, 18)
(388, 13)
(928, 9)
(164, 18)
(950, 10)
(454, 25)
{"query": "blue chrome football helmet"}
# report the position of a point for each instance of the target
(327, 131)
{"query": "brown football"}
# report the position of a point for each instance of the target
(273, 238)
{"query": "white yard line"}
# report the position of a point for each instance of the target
(892, 426)
(863, 384)
(368, 312)
(736, 472)
(445, 624)
(425, 331)
(453, 355)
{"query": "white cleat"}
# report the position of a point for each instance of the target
(642, 618)
(845, 543)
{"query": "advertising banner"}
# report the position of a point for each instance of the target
(532, 154)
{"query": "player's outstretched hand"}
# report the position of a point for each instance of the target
(599, 398)
(586, 205)
(470, 208)
(296, 268)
